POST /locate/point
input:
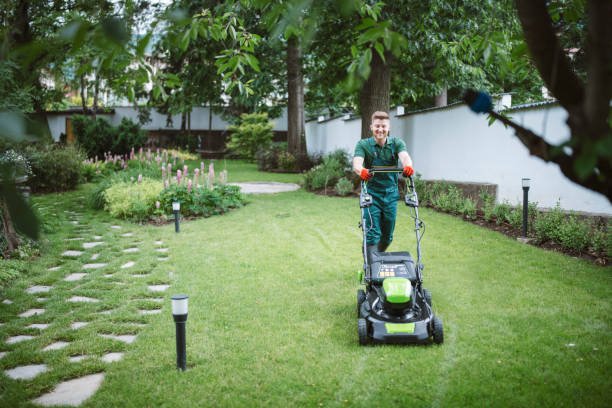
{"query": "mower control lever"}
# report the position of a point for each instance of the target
(365, 200)
(411, 200)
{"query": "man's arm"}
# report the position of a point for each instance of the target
(404, 158)
(357, 165)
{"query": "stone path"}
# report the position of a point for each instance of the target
(118, 258)
(265, 187)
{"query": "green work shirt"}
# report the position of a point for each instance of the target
(374, 155)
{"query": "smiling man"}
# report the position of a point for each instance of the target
(381, 150)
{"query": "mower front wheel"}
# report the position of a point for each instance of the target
(362, 330)
(361, 297)
(437, 330)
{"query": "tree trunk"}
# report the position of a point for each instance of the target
(12, 239)
(374, 94)
(442, 98)
(84, 93)
(296, 139)
(96, 94)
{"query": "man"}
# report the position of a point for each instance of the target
(381, 150)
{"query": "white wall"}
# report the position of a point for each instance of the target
(457, 145)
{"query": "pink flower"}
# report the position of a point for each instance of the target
(139, 178)
(185, 170)
(178, 176)
(166, 184)
(202, 167)
(189, 185)
(157, 204)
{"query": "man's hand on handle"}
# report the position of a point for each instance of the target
(365, 174)
(408, 171)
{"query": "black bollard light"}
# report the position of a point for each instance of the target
(176, 207)
(525, 183)
(179, 313)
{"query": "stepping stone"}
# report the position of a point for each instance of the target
(26, 372)
(39, 326)
(88, 245)
(75, 239)
(162, 259)
(127, 234)
(94, 265)
(74, 222)
(72, 253)
(159, 242)
(144, 275)
(162, 249)
(128, 265)
(75, 277)
(97, 237)
(108, 275)
(95, 256)
(42, 299)
(112, 357)
(84, 299)
(126, 338)
(58, 345)
(158, 288)
(131, 250)
(2, 354)
(19, 339)
(54, 268)
(38, 289)
(106, 312)
(78, 325)
(115, 227)
(7, 302)
(32, 312)
(76, 359)
(73, 392)
(149, 311)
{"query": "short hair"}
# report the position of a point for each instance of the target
(380, 115)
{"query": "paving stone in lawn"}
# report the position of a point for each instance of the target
(42, 299)
(32, 312)
(19, 339)
(94, 257)
(131, 250)
(149, 311)
(84, 299)
(76, 359)
(38, 289)
(78, 325)
(75, 239)
(141, 275)
(128, 234)
(97, 237)
(94, 265)
(88, 245)
(73, 392)
(128, 264)
(126, 338)
(162, 249)
(159, 242)
(7, 301)
(75, 277)
(115, 226)
(39, 326)
(158, 288)
(108, 275)
(162, 259)
(112, 357)
(58, 345)
(3, 353)
(72, 253)
(54, 268)
(26, 372)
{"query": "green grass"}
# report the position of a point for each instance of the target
(272, 314)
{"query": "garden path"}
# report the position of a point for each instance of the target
(74, 297)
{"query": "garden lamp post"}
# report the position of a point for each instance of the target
(176, 208)
(525, 183)
(179, 313)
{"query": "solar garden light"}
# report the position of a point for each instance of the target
(179, 313)
(176, 207)
(525, 183)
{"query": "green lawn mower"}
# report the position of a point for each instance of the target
(394, 307)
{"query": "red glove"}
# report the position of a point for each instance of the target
(365, 175)
(408, 171)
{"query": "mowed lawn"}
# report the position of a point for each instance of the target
(272, 316)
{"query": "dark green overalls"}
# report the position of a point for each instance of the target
(383, 187)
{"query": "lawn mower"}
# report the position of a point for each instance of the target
(394, 307)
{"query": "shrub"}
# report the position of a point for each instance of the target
(488, 204)
(547, 225)
(601, 241)
(201, 201)
(95, 136)
(451, 201)
(55, 168)
(328, 172)
(268, 156)
(469, 208)
(515, 217)
(501, 212)
(344, 186)
(574, 234)
(15, 165)
(134, 201)
(128, 136)
(252, 133)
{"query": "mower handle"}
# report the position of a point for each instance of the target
(385, 169)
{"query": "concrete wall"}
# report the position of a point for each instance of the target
(455, 144)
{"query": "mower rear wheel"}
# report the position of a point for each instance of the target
(362, 330)
(437, 330)
(361, 297)
(427, 295)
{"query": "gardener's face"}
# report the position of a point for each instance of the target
(380, 129)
